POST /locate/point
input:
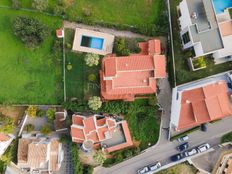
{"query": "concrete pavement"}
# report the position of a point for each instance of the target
(162, 152)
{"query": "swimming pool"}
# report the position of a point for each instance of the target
(221, 5)
(92, 42)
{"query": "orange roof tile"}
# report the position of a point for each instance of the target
(93, 136)
(89, 124)
(160, 66)
(101, 122)
(101, 133)
(59, 33)
(4, 137)
(204, 104)
(78, 120)
(77, 133)
(134, 74)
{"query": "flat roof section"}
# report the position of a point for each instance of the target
(205, 28)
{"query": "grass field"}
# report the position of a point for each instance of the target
(143, 15)
(28, 76)
(182, 70)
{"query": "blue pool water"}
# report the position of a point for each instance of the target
(96, 43)
(92, 42)
(221, 5)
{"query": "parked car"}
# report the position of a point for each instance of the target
(177, 157)
(204, 127)
(190, 152)
(154, 167)
(143, 170)
(183, 138)
(183, 147)
(203, 147)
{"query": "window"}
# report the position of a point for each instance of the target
(186, 38)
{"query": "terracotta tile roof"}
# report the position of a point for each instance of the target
(54, 149)
(23, 150)
(4, 137)
(37, 155)
(160, 66)
(78, 121)
(132, 75)
(104, 128)
(204, 104)
(89, 125)
(59, 33)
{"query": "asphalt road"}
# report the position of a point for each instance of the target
(163, 151)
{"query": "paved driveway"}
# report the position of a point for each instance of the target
(162, 152)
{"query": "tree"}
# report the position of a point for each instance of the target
(92, 59)
(30, 31)
(152, 100)
(46, 129)
(32, 111)
(94, 103)
(50, 114)
(7, 124)
(121, 47)
(29, 128)
(40, 5)
(99, 157)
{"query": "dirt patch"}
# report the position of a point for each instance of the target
(87, 158)
(180, 169)
(15, 112)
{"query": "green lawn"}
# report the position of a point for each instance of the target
(182, 70)
(145, 16)
(183, 168)
(28, 76)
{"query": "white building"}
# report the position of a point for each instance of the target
(205, 30)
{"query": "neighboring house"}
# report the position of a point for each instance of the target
(225, 166)
(60, 122)
(124, 78)
(5, 141)
(90, 41)
(98, 130)
(200, 102)
(37, 154)
(206, 29)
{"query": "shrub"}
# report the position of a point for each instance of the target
(7, 124)
(58, 10)
(99, 157)
(68, 46)
(41, 113)
(30, 31)
(121, 47)
(32, 111)
(226, 138)
(16, 4)
(94, 103)
(69, 66)
(40, 5)
(46, 129)
(50, 114)
(116, 107)
(57, 49)
(199, 62)
(92, 77)
(92, 59)
(29, 128)
(152, 100)
(77, 167)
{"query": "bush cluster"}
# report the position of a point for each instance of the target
(30, 31)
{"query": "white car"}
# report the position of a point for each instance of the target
(203, 147)
(154, 167)
(190, 152)
(183, 138)
(143, 170)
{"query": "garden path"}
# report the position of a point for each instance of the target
(119, 33)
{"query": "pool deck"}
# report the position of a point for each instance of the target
(108, 42)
